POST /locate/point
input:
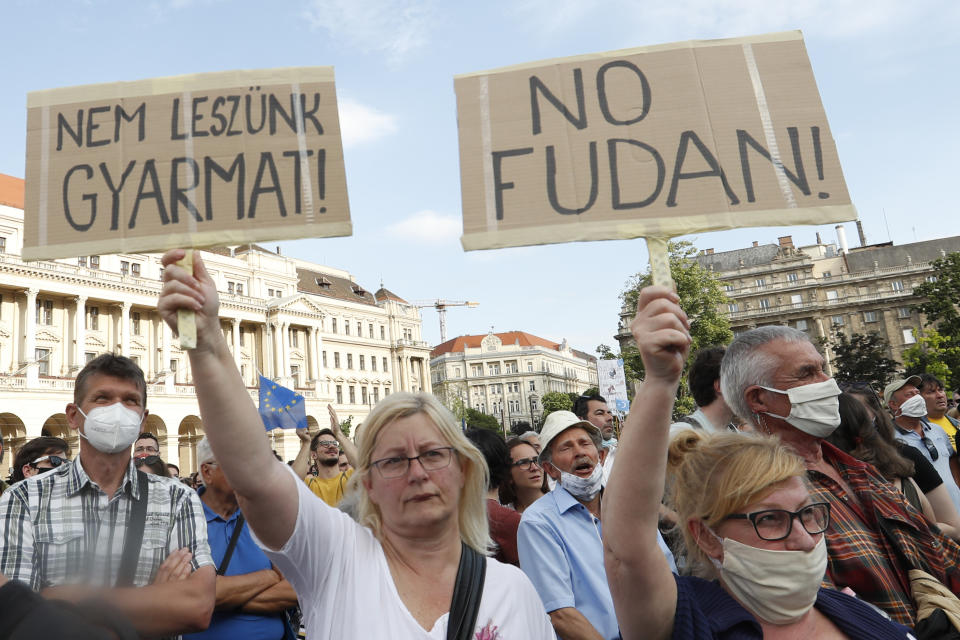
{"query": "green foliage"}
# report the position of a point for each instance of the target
(701, 297)
(478, 420)
(452, 395)
(862, 358)
(933, 354)
(346, 425)
(940, 309)
(606, 353)
(556, 401)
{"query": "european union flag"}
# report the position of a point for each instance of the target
(281, 407)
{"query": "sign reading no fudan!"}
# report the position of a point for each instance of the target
(658, 142)
(200, 160)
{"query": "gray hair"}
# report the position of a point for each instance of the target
(530, 433)
(204, 452)
(747, 363)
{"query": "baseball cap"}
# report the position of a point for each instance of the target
(558, 422)
(898, 384)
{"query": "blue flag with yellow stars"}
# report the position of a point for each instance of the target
(281, 407)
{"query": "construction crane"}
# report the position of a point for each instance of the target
(441, 307)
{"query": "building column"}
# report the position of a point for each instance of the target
(425, 376)
(318, 358)
(166, 337)
(277, 359)
(285, 350)
(312, 354)
(266, 346)
(79, 333)
(29, 356)
(125, 329)
(235, 324)
(405, 364)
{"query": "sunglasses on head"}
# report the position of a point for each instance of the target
(55, 461)
(139, 462)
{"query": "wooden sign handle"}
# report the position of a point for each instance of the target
(659, 261)
(186, 318)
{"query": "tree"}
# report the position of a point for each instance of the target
(556, 401)
(701, 297)
(478, 420)
(940, 308)
(862, 358)
(345, 425)
(931, 354)
(453, 396)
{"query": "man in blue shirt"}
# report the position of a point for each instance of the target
(559, 539)
(251, 594)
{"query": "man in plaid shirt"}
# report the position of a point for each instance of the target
(774, 377)
(63, 532)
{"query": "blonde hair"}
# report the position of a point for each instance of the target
(472, 509)
(712, 475)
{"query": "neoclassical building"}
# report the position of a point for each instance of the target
(506, 374)
(307, 326)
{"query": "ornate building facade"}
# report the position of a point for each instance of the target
(506, 374)
(825, 287)
(306, 326)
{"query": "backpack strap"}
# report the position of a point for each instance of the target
(467, 594)
(134, 537)
(237, 528)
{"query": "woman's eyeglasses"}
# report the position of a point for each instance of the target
(524, 463)
(776, 524)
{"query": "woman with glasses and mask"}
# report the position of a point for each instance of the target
(37, 456)
(421, 484)
(527, 482)
(754, 538)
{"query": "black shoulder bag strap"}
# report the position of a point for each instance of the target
(466, 594)
(231, 546)
(134, 538)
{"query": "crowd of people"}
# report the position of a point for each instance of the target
(782, 507)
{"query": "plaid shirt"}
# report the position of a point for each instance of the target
(61, 528)
(861, 555)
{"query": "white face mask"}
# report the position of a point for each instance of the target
(585, 489)
(111, 429)
(776, 586)
(914, 407)
(814, 408)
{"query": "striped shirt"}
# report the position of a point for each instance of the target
(60, 528)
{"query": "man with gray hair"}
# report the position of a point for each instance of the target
(773, 376)
(251, 593)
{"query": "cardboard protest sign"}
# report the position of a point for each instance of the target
(657, 142)
(188, 161)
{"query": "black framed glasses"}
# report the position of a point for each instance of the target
(524, 463)
(776, 524)
(931, 448)
(55, 461)
(431, 460)
(139, 462)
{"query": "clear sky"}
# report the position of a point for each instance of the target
(887, 71)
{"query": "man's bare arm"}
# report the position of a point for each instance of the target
(571, 625)
(277, 598)
(233, 592)
(345, 443)
(301, 464)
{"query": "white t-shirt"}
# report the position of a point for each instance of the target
(343, 582)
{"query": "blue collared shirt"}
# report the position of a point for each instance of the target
(561, 551)
(247, 558)
(941, 441)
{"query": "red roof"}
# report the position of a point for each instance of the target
(11, 191)
(522, 338)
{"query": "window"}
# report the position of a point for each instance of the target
(363, 395)
(135, 323)
(763, 303)
(792, 277)
(324, 356)
(43, 361)
(359, 330)
(728, 288)
(832, 294)
(294, 338)
(295, 374)
(510, 367)
(928, 278)
(373, 363)
(239, 289)
(836, 321)
(339, 394)
(346, 327)
(3, 244)
(897, 285)
(173, 368)
(376, 395)
(240, 334)
(94, 262)
(363, 366)
(370, 330)
(476, 370)
(270, 293)
(385, 369)
(801, 325)
(125, 267)
(135, 269)
(796, 300)
(908, 337)
(349, 361)
(82, 261)
(230, 286)
(869, 316)
(456, 372)
(386, 392)
(903, 312)
(733, 307)
(383, 333)
(333, 325)
(44, 311)
(408, 334)
(353, 395)
(93, 318)
(336, 359)
(494, 368)
(533, 386)
(827, 274)
(530, 366)
(760, 282)
(88, 356)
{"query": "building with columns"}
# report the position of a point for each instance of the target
(823, 287)
(506, 374)
(304, 325)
